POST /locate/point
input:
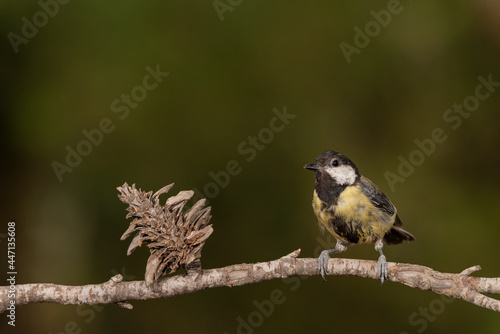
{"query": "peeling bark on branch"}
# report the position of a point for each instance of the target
(461, 286)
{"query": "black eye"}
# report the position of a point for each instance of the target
(335, 163)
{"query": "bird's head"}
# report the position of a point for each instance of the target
(336, 166)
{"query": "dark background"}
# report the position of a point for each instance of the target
(226, 77)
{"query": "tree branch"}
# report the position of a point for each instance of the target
(461, 286)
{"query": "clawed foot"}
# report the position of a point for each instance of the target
(323, 262)
(382, 268)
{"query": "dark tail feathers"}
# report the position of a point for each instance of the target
(397, 235)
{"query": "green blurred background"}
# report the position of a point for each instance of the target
(226, 77)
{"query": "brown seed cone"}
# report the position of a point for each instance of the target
(175, 237)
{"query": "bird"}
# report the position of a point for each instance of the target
(353, 209)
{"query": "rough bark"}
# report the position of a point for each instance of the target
(460, 286)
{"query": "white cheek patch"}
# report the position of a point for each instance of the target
(342, 174)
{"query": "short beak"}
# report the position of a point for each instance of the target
(312, 166)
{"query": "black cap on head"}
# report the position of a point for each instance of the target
(326, 158)
(331, 165)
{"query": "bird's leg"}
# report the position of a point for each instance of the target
(325, 256)
(382, 262)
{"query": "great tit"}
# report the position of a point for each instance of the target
(353, 209)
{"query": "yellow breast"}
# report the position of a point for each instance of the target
(357, 210)
(323, 216)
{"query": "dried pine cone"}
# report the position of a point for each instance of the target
(175, 237)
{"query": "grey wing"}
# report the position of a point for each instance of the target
(396, 234)
(378, 198)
